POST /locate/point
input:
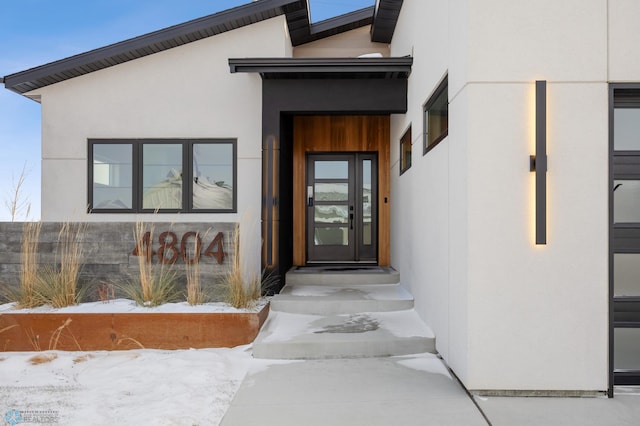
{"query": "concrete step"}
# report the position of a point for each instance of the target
(368, 334)
(342, 275)
(333, 299)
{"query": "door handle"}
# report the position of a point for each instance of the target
(351, 217)
(310, 196)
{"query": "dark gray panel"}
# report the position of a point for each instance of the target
(333, 97)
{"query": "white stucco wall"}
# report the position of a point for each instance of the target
(509, 315)
(350, 44)
(420, 197)
(184, 92)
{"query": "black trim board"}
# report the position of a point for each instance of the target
(301, 68)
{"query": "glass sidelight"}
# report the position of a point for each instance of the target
(341, 207)
(625, 229)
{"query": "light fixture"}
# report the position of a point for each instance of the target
(538, 162)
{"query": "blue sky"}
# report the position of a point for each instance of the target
(35, 32)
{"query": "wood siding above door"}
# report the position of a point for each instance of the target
(340, 133)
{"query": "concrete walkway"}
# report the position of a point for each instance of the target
(348, 349)
(407, 390)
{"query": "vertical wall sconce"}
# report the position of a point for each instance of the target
(538, 162)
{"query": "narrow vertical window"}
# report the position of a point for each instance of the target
(436, 117)
(405, 151)
(624, 286)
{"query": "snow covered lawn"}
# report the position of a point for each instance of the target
(136, 387)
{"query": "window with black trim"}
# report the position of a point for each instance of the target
(192, 176)
(405, 151)
(436, 117)
(624, 222)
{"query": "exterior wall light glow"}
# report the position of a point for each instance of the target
(538, 162)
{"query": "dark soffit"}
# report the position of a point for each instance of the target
(385, 20)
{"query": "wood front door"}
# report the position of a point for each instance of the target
(341, 208)
(355, 139)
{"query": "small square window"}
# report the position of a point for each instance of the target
(436, 117)
(405, 151)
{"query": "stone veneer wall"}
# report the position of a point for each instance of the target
(107, 252)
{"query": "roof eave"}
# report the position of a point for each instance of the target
(157, 41)
(385, 20)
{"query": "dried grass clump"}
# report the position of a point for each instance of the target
(83, 358)
(27, 296)
(42, 358)
(155, 283)
(195, 293)
(58, 285)
(158, 288)
(240, 291)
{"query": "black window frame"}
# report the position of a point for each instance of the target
(624, 311)
(406, 138)
(137, 170)
(443, 88)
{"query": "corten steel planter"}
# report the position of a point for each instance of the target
(123, 331)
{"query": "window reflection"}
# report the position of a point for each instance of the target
(213, 176)
(626, 201)
(162, 176)
(112, 176)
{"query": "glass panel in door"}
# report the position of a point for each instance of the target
(330, 195)
(341, 207)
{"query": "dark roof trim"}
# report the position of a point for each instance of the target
(324, 67)
(385, 20)
(337, 25)
(297, 15)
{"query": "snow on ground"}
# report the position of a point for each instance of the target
(138, 387)
(424, 362)
(129, 306)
